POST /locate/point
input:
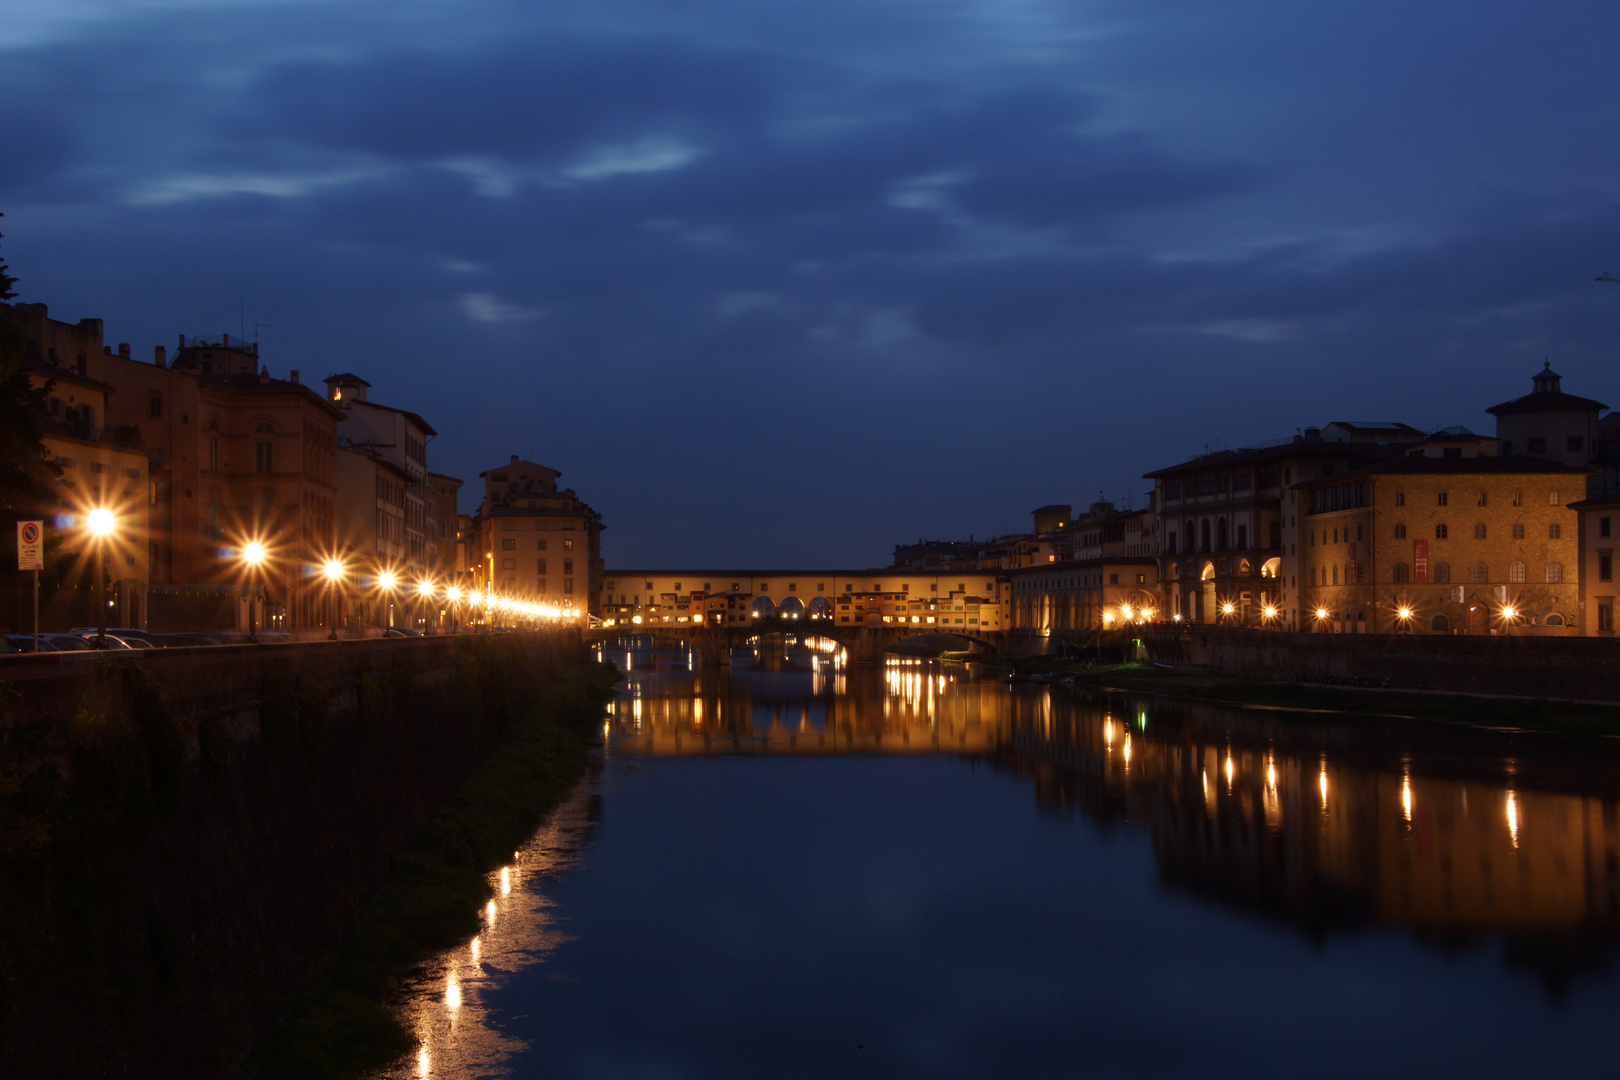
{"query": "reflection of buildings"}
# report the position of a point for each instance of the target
(1273, 817)
(1321, 841)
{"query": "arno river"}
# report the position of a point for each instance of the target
(791, 869)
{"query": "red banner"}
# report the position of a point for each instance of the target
(1420, 560)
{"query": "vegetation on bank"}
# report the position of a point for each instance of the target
(343, 1025)
(1486, 713)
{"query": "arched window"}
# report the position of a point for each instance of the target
(1440, 624)
(1206, 534)
(1555, 619)
(1518, 532)
(1244, 568)
(1516, 573)
(1313, 575)
(1555, 532)
(1482, 573)
(1220, 534)
(1555, 573)
(1192, 537)
(1335, 575)
(1439, 532)
(1479, 531)
(1403, 573)
(1400, 532)
(1442, 573)
(1271, 567)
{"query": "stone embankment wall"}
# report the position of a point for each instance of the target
(187, 834)
(1586, 669)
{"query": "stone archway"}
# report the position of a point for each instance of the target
(762, 608)
(791, 607)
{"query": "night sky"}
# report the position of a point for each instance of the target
(789, 283)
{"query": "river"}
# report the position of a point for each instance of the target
(794, 869)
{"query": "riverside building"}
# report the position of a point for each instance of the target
(1418, 544)
(534, 541)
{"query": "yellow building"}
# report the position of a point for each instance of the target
(1442, 545)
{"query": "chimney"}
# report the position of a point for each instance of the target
(123, 349)
(514, 459)
(264, 374)
(182, 343)
(293, 375)
(160, 356)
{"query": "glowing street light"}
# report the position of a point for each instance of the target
(333, 572)
(253, 555)
(101, 523)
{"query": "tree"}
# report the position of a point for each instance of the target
(27, 474)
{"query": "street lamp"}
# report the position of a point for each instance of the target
(333, 571)
(1404, 614)
(386, 581)
(253, 557)
(101, 523)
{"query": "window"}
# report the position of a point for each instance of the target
(1603, 526)
(508, 564)
(568, 585)
(568, 545)
(156, 406)
(1574, 442)
(1555, 532)
(1605, 566)
(1440, 500)
(1605, 616)
(1360, 535)
(508, 545)
(1552, 498)
(1439, 532)
(1482, 573)
(1518, 496)
(1335, 575)
(1243, 537)
(539, 545)
(1555, 573)
(1403, 573)
(1518, 532)
(1482, 499)
(1400, 532)
(1400, 498)
(1442, 573)
(1113, 579)
(1479, 532)
(1516, 573)
(568, 566)
(1507, 447)
(1451, 451)
(213, 454)
(540, 566)
(1537, 446)
(264, 457)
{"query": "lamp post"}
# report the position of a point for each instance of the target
(386, 581)
(333, 572)
(424, 595)
(1510, 615)
(1404, 615)
(452, 596)
(253, 558)
(101, 523)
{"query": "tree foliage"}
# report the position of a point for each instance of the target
(27, 474)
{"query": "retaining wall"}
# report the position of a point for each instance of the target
(1546, 667)
(187, 834)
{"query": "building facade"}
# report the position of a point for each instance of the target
(1443, 545)
(536, 541)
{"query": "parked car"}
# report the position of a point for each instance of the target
(137, 638)
(25, 642)
(9, 646)
(401, 631)
(64, 642)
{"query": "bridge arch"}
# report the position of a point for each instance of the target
(762, 608)
(791, 607)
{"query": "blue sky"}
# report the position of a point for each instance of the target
(790, 283)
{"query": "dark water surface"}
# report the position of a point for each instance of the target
(812, 872)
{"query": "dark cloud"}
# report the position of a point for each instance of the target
(928, 246)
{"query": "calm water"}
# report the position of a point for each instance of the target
(794, 870)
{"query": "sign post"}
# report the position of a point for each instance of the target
(31, 556)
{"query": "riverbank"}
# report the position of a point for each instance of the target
(345, 1025)
(1484, 712)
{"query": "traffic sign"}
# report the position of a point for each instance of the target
(30, 545)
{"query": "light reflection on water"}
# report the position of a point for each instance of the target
(1327, 825)
(446, 1004)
